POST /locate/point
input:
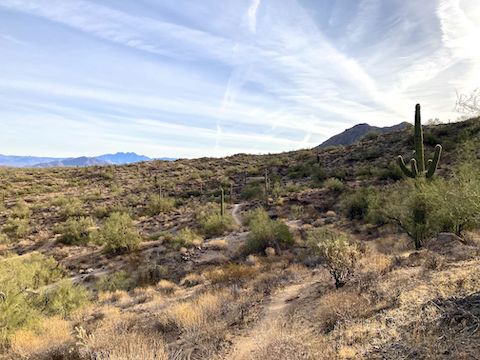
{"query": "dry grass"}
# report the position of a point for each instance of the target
(48, 335)
(195, 314)
(217, 244)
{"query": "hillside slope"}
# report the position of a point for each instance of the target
(191, 288)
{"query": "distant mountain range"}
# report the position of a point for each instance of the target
(119, 158)
(357, 132)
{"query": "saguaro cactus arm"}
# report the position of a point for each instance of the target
(410, 173)
(433, 163)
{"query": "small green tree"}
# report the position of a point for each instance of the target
(265, 232)
(119, 233)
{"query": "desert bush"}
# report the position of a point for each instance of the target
(21, 281)
(252, 192)
(265, 232)
(333, 184)
(17, 227)
(391, 172)
(118, 233)
(119, 280)
(339, 254)
(186, 238)
(213, 223)
(231, 274)
(159, 205)
(64, 298)
(71, 207)
(355, 204)
(297, 211)
(21, 210)
(148, 274)
(408, 204)
(76, 231)
(456, 202)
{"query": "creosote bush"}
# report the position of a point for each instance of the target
(119, 233)
(159, 205)
(333, 184)
(30, 288)
(76, 231)
(213, 223)
(338, 253)
(119, 280)
(265, 232)
(187, 238)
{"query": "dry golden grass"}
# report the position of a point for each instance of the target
(217, 244)
(231, 273)
(49, 334)
(135, 346)
(195, 314)
(192, 279)
(166, 287)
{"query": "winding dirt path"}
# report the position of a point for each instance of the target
(235, 213)
(275, 309)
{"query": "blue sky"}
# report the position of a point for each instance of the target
(211, 78)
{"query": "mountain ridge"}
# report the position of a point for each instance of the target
(119, 158)
(356, 132)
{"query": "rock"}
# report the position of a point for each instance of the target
(270, 252)
(331, 214)
(251, 260)
(183, 250)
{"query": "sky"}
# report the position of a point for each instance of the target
(185, 78)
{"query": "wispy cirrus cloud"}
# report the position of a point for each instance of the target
(253, 75)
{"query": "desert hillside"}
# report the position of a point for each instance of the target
(297, 255)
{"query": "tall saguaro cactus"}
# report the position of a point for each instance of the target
(222, 202)
(417, 164)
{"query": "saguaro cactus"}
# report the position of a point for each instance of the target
(417, 164)
(222, 202)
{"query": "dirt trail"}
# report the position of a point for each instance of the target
(275, 309)
(235, 213)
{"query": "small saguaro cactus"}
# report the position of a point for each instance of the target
(222, 202)
(417, 163)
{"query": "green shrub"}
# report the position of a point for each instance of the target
(186, 238)
(17, 228)
(21, 299)
(21, 210)
(410, 205)
(265, 232)
(118, 233)
(76, 231)
(216, 225)
(252, 192)
(212, 223)
(333, 184)
(116, 281)
(391, 172)
(71, 207)
(297, 211)
(159, 205)
(338, 254)
(456, 202)
(355, 204)
(65, 297)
